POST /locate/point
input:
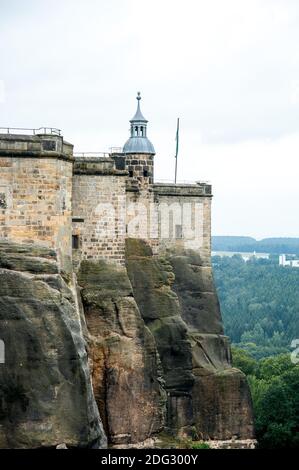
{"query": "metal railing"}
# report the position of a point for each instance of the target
(24, 130)
(116, 149)
(92, 154)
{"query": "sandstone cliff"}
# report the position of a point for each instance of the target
(178, 302)
(46, 397)
(126, 370)
(157, 357)
(221, 400)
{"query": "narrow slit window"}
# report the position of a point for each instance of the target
(75, 242)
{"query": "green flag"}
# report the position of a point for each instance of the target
(177, 150)
(177, 139)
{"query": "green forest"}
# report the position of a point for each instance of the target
(274, 385)
(259, 303)
(260, 308)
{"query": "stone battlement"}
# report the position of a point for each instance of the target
(43, 145)
(196, 189)
(96, 166)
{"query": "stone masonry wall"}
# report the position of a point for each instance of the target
(142, 216)
(170, 216)
(141, 169)
(35, 195)
(99, 207)
(184, 217)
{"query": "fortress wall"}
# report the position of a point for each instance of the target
(142, 216)
(99, 207)
(170, 216)
(184, 218)
(35, 192)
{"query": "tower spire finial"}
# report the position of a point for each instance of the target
(138, 115)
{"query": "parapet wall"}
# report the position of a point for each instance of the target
(35, 192)
(42, 145)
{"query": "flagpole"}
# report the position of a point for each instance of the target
(177, 151)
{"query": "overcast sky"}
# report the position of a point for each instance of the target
(229, 69)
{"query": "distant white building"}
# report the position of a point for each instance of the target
(283, 261)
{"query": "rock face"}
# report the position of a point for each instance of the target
(126, 369)
(219, 390)
(46, 397)
(159, 306)
(177, 299)
(158, 359)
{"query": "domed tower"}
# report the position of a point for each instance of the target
(139, 151)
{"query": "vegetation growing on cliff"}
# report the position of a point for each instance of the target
(274, 384)
(259, 303)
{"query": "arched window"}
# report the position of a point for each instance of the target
(136, 131)
(141, 131)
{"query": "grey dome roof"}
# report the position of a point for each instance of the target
(138, 145)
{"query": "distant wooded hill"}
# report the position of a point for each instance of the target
(249, 244)
(259, 303)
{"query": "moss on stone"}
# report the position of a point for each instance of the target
(136, 247)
